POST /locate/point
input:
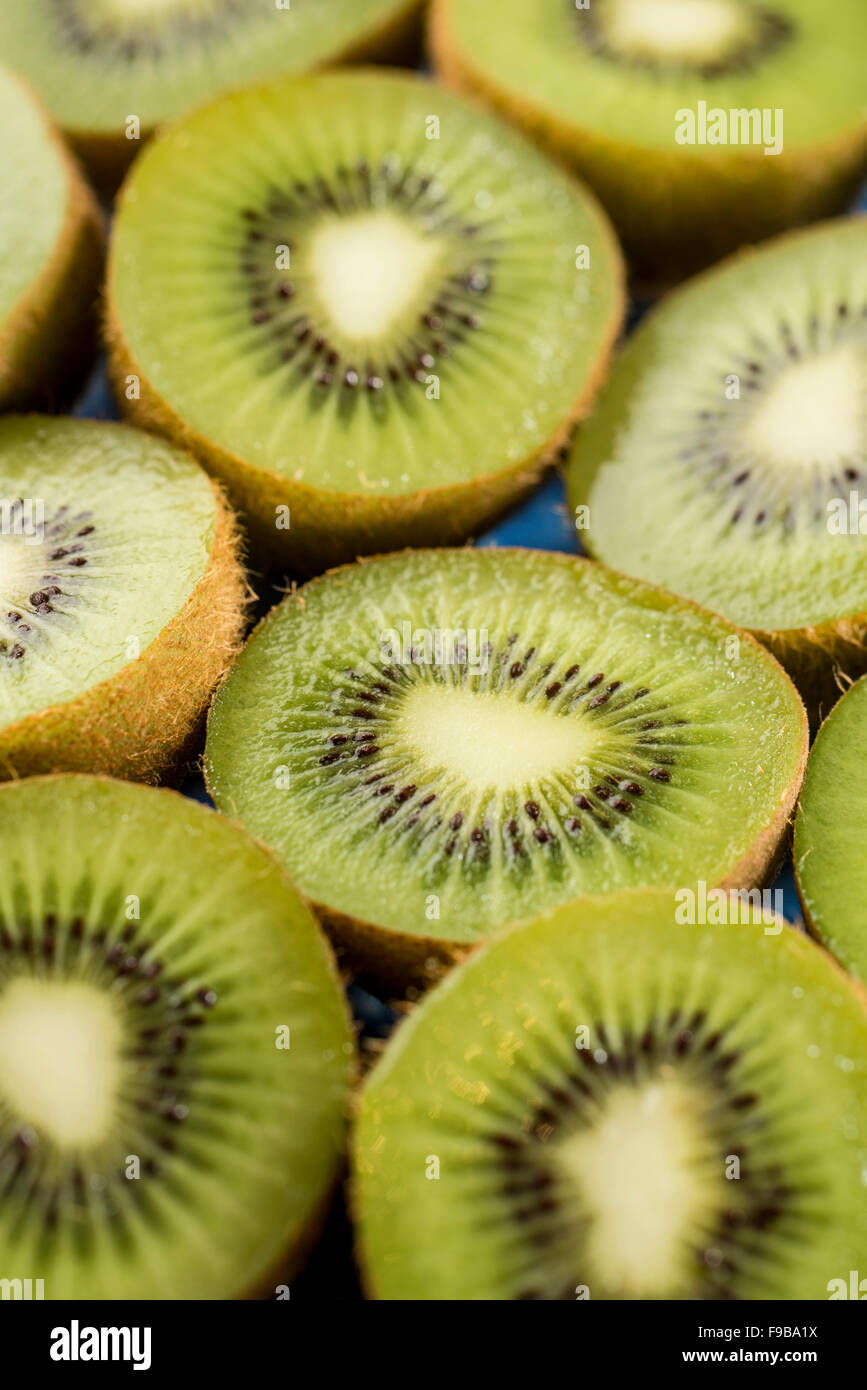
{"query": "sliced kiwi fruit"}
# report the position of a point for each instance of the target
(728, 455)
(606, 1104)
(112, 71)
(50, 256)
(121, 599)
(439, 742)
(174, 1049)
(831, 832)
(702, 124)
(373, 324)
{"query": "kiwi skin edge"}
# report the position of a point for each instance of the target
(397, 960)
(809, 923)
(331, 528)
(676, 213)
(395, 40)
(143, 724)
(46, 341)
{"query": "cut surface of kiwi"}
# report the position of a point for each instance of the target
(174, 1048)
(606, 1104)
(728, 455)
(50, 253)
(702, 124)
(437, 743)
(107, 67)
(364, 304)
(831, 833)
(121, 598)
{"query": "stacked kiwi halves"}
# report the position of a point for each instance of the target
(534, 800)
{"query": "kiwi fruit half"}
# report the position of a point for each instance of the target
(121, 599)
(728, 455)
(831, 832)
(111, 71)
(606, 1104)
(369, 309)
(175, 1049)
(50, 256)
(439, 742)
(702, 124)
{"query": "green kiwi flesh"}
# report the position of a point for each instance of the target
(702, 124)
(387, 323)
(726, 460)
(437, 743)
(606, 1104)
(121, 598)
(50, 256)
(831, 831)
(111, 72)
(174, 1043)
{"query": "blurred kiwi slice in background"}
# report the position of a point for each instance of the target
(175, 1049)
(607, 1104)
(727, 459)
(613, 87)
(121, 599)
(51, 244)
(111, 71)
(831, 833)
(371, 310)
(439, 742)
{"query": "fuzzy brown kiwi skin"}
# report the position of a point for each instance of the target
(396, 961)
(395, 40)
(822, 661)
(48, 340)
(330, 528)
(144, 724)
(676, 212)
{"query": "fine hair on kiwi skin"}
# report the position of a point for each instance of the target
(261, 757)
(393, 37)
(588, 1086)
(176, 994)
(145, 720)
(48, 339)
(349, 396)
(677, 209)
(741, 491)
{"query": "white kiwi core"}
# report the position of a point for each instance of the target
(369, 270)
(492, 743)
(814, 412)
(639, 1177)
(60, 1046)
(676, 29)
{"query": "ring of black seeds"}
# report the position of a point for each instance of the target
(283, 311)
(520, 1156)
(771, 32)
(354, 749)
(160, 1013)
